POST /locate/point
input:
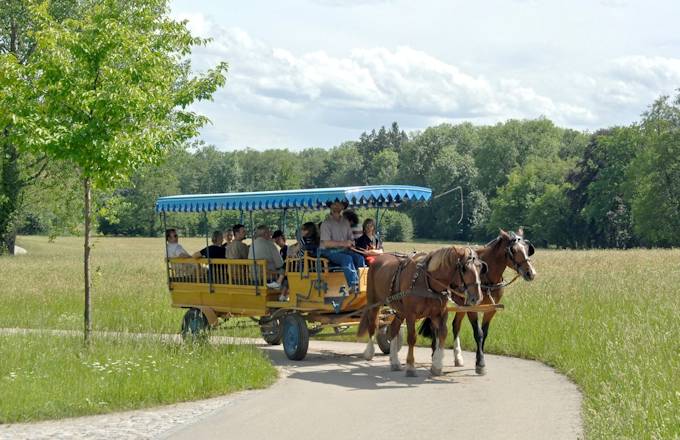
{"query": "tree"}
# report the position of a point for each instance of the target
(109, 92)
(532, 193)
(598, 188)
(18, 168)
(655, 175)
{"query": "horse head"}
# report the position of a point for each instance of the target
(518, 252)
(467, 269)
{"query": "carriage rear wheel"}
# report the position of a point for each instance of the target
(272, 331)
(194, 324)
(295, 337)
(383, 339)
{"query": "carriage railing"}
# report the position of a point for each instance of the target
(305, 264)
(220, 271)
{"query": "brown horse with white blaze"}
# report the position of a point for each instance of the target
(415, 288)
(508, 250)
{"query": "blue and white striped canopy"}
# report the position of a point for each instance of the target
(356, 196)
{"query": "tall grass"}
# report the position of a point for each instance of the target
(45, 376)
(607, 319)
(610, 320)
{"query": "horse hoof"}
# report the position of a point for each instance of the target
(436, 371)
(459, 363)
(367, 357)
(480, 370)
(395, 367)
(411, 373)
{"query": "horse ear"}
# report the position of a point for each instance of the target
(520, 231)
(485, 268)
(531, 248)
(503, 233)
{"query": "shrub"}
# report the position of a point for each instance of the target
(396, 226)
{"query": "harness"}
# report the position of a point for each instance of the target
(423, 289)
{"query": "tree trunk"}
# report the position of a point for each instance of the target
(10, 190)
(86, 261)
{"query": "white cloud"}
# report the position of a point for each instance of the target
(370, 84)
(270, 80)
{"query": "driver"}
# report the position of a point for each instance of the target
(337, 242)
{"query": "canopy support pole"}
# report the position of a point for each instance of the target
(377, 221)
(167, 256)
(252, 249)
(207, 251)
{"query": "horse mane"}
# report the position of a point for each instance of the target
(441, 257)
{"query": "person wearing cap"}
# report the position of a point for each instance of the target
(337, 242)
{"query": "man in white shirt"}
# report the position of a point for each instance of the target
(174, 249)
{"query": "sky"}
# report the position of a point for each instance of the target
(316, 73)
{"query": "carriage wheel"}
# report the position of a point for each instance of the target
(295, 337)
(272, 332)
(194, 324)
(383, 339)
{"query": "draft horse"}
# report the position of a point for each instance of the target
(418, 287)
(509, 250)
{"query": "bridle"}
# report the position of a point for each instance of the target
(463, 289)
(514, 239)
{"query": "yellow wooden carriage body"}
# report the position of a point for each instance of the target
(238, 288)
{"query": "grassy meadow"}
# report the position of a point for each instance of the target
(607, 319)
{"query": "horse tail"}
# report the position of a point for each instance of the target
(369, 315)
(425, 329)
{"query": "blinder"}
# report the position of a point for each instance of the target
(531, 247)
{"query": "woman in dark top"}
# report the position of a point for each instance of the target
(369, 244)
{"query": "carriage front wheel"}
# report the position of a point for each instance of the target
(383, 339)
(272, 331)
(194, 324)
(295, 337)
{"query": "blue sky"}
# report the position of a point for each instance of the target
(315, 73)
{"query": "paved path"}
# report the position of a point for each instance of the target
(334, 394)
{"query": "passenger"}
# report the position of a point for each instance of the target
(310, 238)
(280, 241)
(215, 250)
(369, 244)
(353, 220)
(237, 250)
(181, 272)
(228, 237)
(336, 244)
(263, 248)
(174, 249)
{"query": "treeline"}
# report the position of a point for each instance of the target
(617, 187)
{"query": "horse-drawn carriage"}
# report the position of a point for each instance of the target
(223, 288)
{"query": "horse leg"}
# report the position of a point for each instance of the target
(372, 325)
(395, 343)
(480, 366)
(440, 338)
(457, 353)
(410, 358)
(486, 321)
